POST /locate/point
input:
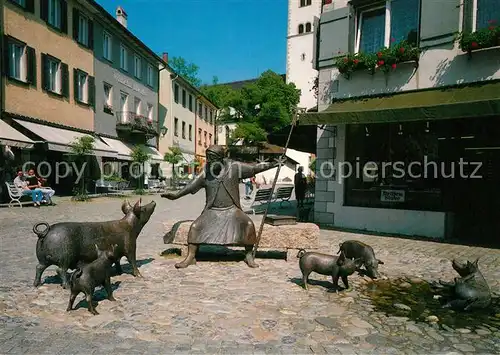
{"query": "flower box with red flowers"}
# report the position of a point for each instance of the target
(386, 59)
(480, 39)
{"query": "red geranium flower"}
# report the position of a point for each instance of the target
(491, 28)
(381, 62)
(474, 44)
(393, 66)
(356, 61)
(401, 50)
(393, 39)
(379, 54)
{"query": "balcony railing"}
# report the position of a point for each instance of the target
(131, 121)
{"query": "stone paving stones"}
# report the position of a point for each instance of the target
(224, 307)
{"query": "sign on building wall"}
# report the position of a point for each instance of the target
(392, 195)
(129, 83)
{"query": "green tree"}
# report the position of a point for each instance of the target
(81, 148)
(188, 71)
(140, 156)
(174, 157)
(263, 107)
(312, 165)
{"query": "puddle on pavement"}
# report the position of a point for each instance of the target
(424, 301)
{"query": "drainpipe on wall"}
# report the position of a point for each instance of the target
(158, 110)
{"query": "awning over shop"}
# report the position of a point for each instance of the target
(303, 138)
(187, 159)
(156, 156)
(121, 148)
(436, 104)
(14, 138)
(59, 139)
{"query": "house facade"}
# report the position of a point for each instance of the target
(402, 101)
(205, 127)
(70, 69)
(127, 89)
(48, 82)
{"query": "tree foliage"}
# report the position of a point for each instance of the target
(188, 71)
(139, 155)
(262, 107)
(174, 156)
(81, 148)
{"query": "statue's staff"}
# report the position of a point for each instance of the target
(259, 234)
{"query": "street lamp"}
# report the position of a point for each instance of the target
(163, 131)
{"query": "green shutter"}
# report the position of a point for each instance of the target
(91, 90)
(45, 72)
(75, 84)
(335, 35)
(44, 9)
(6, 58)
(91, 34)
(75, 23)
(468, 12)
(65, 80)
(31, 72)
(439, 22)
(30, 6)
(64, 16)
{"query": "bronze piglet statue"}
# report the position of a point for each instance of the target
(324, 264)
(68, 244)
(97, 273)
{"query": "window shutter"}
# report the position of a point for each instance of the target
(91, 34)
(6, 61)
(75, 24)
(64, 16)
(45, 72)
(468, 11)
(91, 90)
(75, 84)
(336, 35)
(439, 22)
(44, 9)
(30, 6)
(65, 80)
(31, 59)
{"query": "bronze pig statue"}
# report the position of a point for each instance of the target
(356, 249)
(97, 273)
(68, 244)
(324, 264)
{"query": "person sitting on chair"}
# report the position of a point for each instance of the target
(22, 186)
(35, 182)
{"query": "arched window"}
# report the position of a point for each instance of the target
(301, 28)
(308, 27)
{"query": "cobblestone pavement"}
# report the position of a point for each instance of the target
(220, 307)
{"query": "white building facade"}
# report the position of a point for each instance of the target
(408, 109)
(299, 50)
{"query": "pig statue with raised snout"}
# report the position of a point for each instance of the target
(97, 273)
(470, 291)
(324, 264)
(354, 249)
(69, 244)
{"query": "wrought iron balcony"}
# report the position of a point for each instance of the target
(134, 123)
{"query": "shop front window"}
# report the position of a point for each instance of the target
(393, 166)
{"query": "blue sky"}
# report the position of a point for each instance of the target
(232, 39)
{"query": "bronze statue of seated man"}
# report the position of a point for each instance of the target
(222, 221)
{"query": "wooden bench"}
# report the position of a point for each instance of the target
(16, 195)
(283, 193)
(260, 196)
(285, 238)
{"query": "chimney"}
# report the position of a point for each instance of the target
(165, 57)
(121, 16)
